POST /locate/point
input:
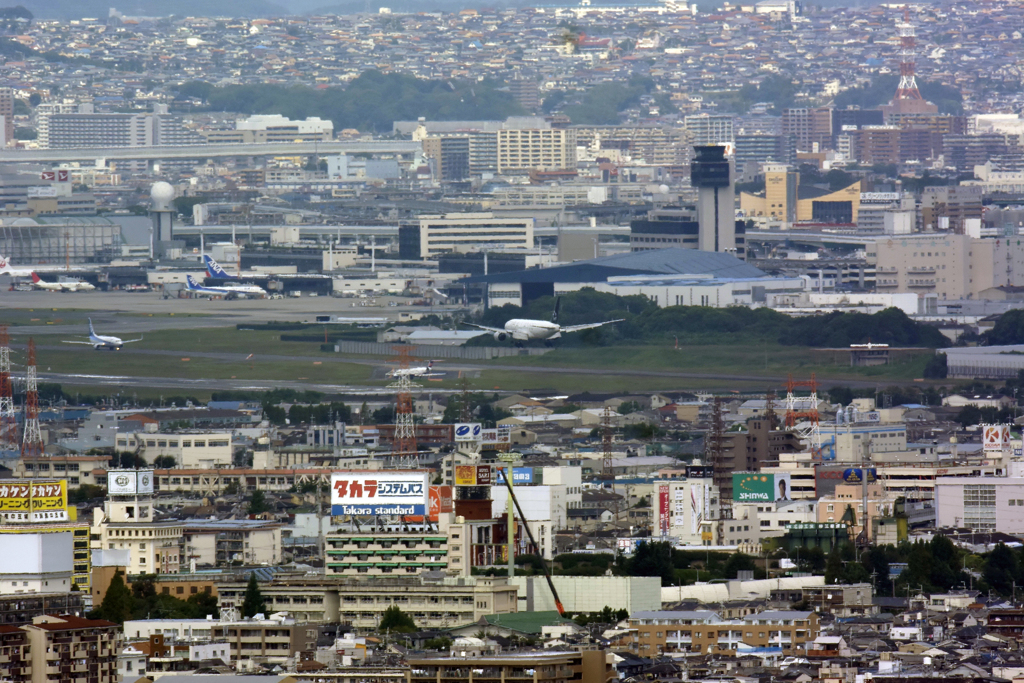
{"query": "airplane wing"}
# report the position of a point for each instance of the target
(129, 341)
(79, 342)
(589, 326)
(489, 329)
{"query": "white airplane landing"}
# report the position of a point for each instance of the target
(102, 341)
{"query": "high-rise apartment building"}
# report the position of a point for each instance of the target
(71, 650)
(754, 150)
(533, 144)
(68, 131)
(7, 112)
(709, 129)
(812, 127)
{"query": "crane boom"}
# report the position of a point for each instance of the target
(547, 571)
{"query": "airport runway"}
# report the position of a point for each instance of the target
(129, 311)
(451, 369)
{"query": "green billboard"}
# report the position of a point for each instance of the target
(755, 487)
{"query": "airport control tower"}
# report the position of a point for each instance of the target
(711, 175)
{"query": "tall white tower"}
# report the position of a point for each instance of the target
(161, 211)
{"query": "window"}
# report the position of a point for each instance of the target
(200, 444)
(187, 443)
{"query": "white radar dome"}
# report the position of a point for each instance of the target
(162, 195)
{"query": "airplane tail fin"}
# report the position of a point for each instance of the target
(35, 278)
(190, 282)
(5, 266)
(430, 365)
(214, 269)
(91, 331)
(554, 314)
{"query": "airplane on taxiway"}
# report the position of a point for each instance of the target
(224, 290)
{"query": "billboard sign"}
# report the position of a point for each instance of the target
(996, 437)
(129, 482)
(382, 493)
(520, 475)
(440, 501)
(465, 475)
(664, 508)
(468, 431)
(498, 435)
(855, 475)
(483, 475)
(755, 487)
(33, 501)
(699, 471)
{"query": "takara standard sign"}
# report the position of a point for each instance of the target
(381, 493)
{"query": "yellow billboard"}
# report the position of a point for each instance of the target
(34, 500)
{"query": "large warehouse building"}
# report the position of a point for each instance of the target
(669, 277)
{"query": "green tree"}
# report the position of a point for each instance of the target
(397, 621)
(253, 603)
(653, 559)
(738, 562)
(1000, 569)
(163, 462)
(258, 503)
(833, 567)
(118, 602)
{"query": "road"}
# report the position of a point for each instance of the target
(210, 151)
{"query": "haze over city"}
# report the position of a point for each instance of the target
(590, 342)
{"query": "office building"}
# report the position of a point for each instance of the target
(948, 265)
(125, 522)
(665, 228)
(705, 632)
(263, 128)
(432, 601)
(709, 129)
(431, 236)
(374, 554)
(980, 504)
(222, 542)
(711, 175)
(198, 449)
(687, 508)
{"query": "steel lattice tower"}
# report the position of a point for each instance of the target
(8, 418)
(404, 443)
(32, 439)
(907, 89)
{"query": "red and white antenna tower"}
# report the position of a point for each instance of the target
(404, 445)
(8, 418)
(32, 439)
(907, 89)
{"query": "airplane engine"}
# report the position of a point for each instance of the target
(500, 336)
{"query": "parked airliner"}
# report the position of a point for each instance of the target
(62, 285)
(224, 290)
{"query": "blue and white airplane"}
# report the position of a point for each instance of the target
(224, 290)
(215, 271)
(102, 341)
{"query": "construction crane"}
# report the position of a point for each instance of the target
(547, 570)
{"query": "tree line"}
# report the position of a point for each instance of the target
(646, 323)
